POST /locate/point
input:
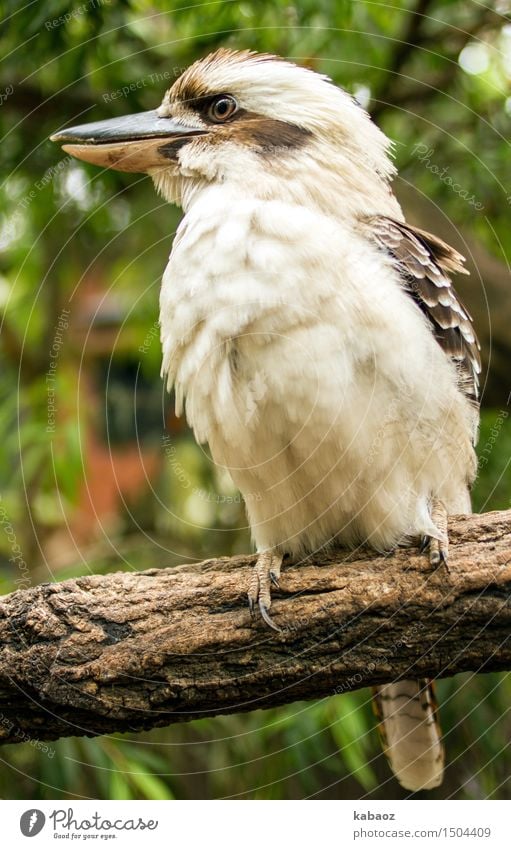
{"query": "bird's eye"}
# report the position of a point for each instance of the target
(222, 108)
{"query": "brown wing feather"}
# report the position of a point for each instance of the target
(426, 263)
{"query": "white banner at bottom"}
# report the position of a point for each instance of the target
(256, 824)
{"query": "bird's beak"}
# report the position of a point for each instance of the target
(136, 143)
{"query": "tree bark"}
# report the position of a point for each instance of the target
(131, 651)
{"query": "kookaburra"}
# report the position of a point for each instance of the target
(313, 337)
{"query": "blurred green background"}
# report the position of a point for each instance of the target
(96, 474)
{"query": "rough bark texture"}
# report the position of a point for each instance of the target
(128, 651)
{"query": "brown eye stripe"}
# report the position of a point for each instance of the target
(203, 104)
(259, 132)
(262, 134)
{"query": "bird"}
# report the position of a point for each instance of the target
(312, 336)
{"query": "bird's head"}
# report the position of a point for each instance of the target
(253, 120)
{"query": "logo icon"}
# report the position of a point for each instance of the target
(32, 822)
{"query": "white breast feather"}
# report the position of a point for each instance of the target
(315, 380)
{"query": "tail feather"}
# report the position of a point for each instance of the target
(410, 732)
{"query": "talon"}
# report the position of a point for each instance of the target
(265, 573)
(444, 559)
(267, 618)
(424, 542)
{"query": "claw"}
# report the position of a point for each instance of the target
(438, 547)
(265, 573)
(274, 579)
(424, 542)
(267, 618)
(444, 559)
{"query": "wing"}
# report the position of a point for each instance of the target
(426, 263)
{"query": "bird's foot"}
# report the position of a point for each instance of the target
(438, 549)
(265, 573)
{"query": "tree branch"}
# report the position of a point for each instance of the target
(131, 651)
